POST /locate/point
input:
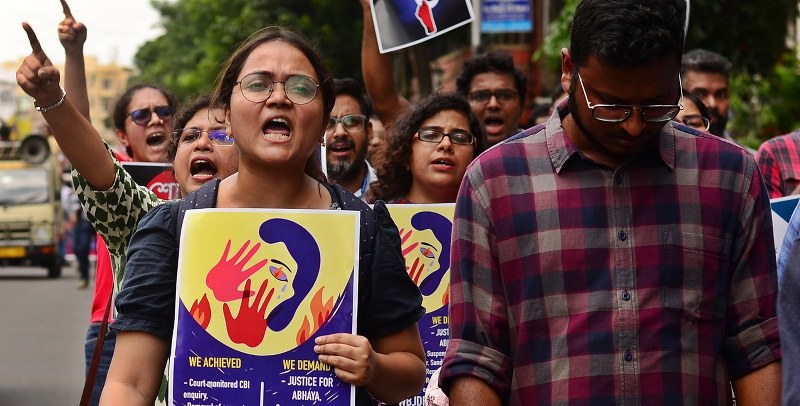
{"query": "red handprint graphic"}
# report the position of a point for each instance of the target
(226, 276)
(415, 270)
(250, 325)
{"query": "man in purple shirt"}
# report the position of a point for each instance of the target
(611, 256)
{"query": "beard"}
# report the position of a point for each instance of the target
(718, 123)
(346, 170)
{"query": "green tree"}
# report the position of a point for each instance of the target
(199, 35)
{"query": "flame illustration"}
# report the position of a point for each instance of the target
(201, 311)
(446, 297)
(320, 312)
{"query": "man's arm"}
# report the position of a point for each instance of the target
(378, 71)
(468, 390)
(761, 387)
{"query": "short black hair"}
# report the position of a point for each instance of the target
(627, 33)
(703, 60)
(352, 88)
(498, 61)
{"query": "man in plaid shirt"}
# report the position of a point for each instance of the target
(779, 160)
(611, 256)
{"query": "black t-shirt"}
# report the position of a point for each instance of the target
(389, 302)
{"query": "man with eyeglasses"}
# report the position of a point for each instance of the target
(347, 136)
(613, 256)
(495, 89)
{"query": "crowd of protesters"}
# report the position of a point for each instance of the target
(617, 248)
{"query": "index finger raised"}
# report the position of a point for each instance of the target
(65, 8)
(36, 47)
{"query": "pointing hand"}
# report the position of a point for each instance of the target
(37, 76)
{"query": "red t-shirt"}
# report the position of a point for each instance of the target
(104, 279)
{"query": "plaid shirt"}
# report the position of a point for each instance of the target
(573, 283)
(779, 160)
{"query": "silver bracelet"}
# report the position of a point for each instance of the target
(48, 108)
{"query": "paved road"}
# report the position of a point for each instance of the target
(42, 330)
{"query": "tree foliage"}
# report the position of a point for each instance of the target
(764, 106)
(199, 35)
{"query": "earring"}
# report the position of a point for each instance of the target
(322, 143)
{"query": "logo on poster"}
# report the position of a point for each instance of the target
(424, 14)
(164, 185)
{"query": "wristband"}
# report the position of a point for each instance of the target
(48, 108)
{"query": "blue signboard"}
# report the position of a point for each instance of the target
(506, 16)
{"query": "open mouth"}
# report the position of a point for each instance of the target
(156, 139)
(341, 147)
(443, 162)
(203, 167)
(277, 129)
(493, 124)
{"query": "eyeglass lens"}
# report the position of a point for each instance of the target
(217, 135)
(350, 123)
(258, 87)
(142, 116)
(649, 113)
(435, 135)
(502, 95)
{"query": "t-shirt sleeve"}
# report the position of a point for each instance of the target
(394, 300)
(147, 299)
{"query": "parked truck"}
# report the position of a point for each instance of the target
(30, 205)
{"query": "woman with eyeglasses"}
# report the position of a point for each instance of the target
(277, 95)
(695, 114)
(427, 150)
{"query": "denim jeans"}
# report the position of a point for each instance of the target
(105, 359)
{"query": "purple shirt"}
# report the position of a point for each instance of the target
(575, 283)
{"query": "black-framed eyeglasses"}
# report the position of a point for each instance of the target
(617, 113)
(142, 116)
(502, 96)
(218, 136)
(696, 121)
(351, 123)
(258, 87)
(431, 134)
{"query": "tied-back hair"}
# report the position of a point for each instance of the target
(495, 61)
(394, 175)
(120, 112)
(627, 33)
(227, 78)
